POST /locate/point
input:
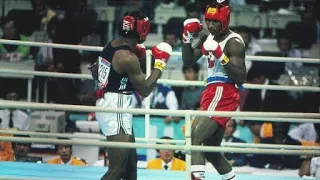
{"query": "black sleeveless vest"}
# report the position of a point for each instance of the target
(118, 83)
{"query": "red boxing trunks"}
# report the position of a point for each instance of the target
(220, 97)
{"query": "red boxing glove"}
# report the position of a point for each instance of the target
(140, 51)
(191, 26)
(161, 54)
(211, 46)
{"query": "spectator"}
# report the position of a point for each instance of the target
(45, 55)
(45, 13)
(8, 52)
(66, 61)
(14, 118)
(307, 133)
(193, 10)
(191, 94)
(286, 49)
(251, 46)
(171, 38)
(21, 151)
(65, 156)
(163, 97)
(263, 100)
(234, 159)
(86, 93)
(166, 160)
(45, 61)
(83, 16)
(304, 33)
(310, 167)
(280, 136)
(6, 151)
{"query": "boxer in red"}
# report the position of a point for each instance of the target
(225, 52)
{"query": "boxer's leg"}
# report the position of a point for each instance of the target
(202, 129)
(217, 159)
(131, 173)
(118, 157)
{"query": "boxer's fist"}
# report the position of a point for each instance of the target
(191, 26)
(161, 54)
(140, 51)
(211, 46)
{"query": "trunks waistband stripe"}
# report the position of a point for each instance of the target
(212, 80)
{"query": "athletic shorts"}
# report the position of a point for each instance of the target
(110, 123)
(220, 97)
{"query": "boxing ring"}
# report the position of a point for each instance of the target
(13, 170)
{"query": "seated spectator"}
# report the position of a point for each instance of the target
(191, 94)
(310, 167)
(21, 151)
(166, 160)
(234, 159)
(286, 49)
(12, 53)
(45, 55)
(251, 46)
(14, 118)
(163, 97)
(65, 156)
(171, 38)
(304, 33)
(280, 136)
(307, 134)
(6, 151)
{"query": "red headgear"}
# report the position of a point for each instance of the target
(221, 14)
(141, 26)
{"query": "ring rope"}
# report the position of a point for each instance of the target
(98, 48)
(81, 108)
(162, 81)
(103, 138)
(159, 146)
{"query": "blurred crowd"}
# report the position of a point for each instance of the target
(79, 25)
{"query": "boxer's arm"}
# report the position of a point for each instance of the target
(191, 55)
(236, 69)
(130, 64)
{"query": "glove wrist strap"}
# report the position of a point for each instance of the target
(224, 59)
(159, 64)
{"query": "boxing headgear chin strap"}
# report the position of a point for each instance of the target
(141, 26)
(221, 14)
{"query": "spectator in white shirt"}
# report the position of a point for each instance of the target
(286, 49)
(14, 118)
(252, 47)
(307, 133)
